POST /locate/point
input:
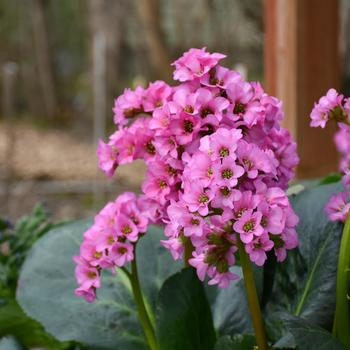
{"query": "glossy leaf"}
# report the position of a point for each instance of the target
(237, 342)
(47, 283)
(304, 284)
(184, 318)
(229, 305)
(342, 314)
(10, 343)
(14, 322)
(309, 336)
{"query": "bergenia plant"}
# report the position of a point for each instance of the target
(335, 107)
(218, 165)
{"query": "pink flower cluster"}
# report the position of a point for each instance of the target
(110, 241)
(334, 106)
(218, 163)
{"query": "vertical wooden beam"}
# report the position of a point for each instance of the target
(301, 64)
(44, 57)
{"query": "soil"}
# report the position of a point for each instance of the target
(57, 168)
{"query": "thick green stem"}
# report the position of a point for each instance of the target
(341, 324)
(188, 252)
(253, 300)
(142, 312)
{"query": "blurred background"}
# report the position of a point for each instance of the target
(63, 62)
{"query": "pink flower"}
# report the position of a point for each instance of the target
(253, 159)
(108, 243)
(192, 224)
(124, 141)
(157, 186)
(126, 228)
(195, 63)
(244, 106)
(121, 253)
(198, 263)
(89, 252)
(160, 120)
(185, 101)
(211, 104)
(246, 202)
(249, 225)
(273, 218)
(199, 167)
(220, 77)
(107, 158)
(156, 95)
(88, 279)
(342, 142)
(166, 145)
(223, 279)
(185, 128)
(128, 105)
(175, 246)
(257, 249)
(346, 179)
(218, 164)
(221, 144)
(88, 294)
(338, 206)
(225, 197)
(197, 198)
(130, 205)
(284, 149)
(320, 113)
(228, 172)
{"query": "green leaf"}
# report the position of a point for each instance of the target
(331, 178)
(237, 342)
(4, 224)
(184, 318)
(13, 321)
(229, 305)
(10, 343)
(342, 312)
(304, 284)
(47, 283)
(309, 336)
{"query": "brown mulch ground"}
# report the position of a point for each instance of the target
(43, 156)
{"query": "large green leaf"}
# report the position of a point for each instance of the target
(47, 283)
(184, 318)
(309, 336)
(342, 311)
(13, 321)
(304, 284)
(229, 305)
(10, 343)
(237, 342)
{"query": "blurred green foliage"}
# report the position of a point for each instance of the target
(16, 240)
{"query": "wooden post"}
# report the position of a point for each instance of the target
(44, 57)
(100, 99)
(301, 64)
(99, 86)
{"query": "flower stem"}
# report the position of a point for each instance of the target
(342, 315)
(188, 252)
(141, 308)
(252, 295)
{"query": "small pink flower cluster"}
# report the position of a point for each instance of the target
(218, 163)
(335, 107)
(110, 241)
